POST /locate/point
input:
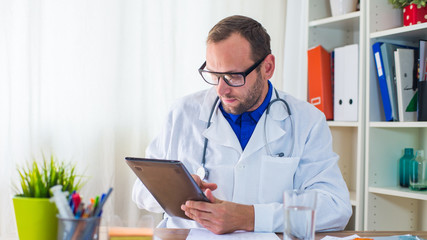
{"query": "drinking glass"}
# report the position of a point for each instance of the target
(299, 221)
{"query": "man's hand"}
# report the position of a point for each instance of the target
(202, 184)
(220, 216)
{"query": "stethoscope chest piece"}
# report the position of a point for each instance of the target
(202, 173)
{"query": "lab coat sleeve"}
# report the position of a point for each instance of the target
(143, 198)
(317, 170)
(159, 149)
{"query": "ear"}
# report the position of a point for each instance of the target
(268, 66)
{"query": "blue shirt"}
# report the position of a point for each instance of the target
(244, 124)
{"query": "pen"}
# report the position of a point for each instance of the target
(80, 210)
(95, 205)
(76, 202)
(101, 204)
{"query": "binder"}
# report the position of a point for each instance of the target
(346, 83)
(387, 51)
(382, 82)
(422, 83)
(404, 60)
(422, 101)
(423, 62)
(319, 80)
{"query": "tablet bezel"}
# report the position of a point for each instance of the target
(168, 181)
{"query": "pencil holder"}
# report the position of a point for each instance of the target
(78, 228)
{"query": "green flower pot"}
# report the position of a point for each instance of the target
(35, 218)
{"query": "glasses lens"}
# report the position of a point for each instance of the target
(234, 79)
(210, 78)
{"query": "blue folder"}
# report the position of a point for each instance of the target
(382, 80)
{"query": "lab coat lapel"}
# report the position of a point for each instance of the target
(274, 130)
(220, 131)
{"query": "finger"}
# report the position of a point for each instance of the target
(211, 226)
(199, 216)
(198, 205)
(210, 196)
(197, 180)
(189, 212)
(206, 224)
(211, 186)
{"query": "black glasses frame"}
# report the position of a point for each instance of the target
(221, 74)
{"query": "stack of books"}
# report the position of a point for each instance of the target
(127, 233)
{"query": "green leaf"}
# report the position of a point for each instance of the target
(403, 3)
(37, 179)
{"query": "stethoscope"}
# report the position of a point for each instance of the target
(203, 172)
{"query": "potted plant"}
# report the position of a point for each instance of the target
(414, 11)
(35, 213)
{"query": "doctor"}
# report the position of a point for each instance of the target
(253, 141)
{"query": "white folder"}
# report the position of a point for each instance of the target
(404, 60)
(346, 78)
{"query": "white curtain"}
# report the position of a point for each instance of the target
(295, 57)
(90, 81)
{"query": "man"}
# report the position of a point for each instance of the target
(252, 156)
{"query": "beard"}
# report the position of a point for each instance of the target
(246, 101)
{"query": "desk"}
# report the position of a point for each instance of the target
(181, 234)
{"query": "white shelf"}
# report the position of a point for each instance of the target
(399, 192)
(387, 205)
(347, 137)
(342, 124)
(349, 20)
(398, 124)
(417, 31)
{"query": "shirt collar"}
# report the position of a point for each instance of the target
(257, 113)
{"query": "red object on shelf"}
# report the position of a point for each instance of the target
(412, 14)
(319, 80)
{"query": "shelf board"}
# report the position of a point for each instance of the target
(398, 124)
(399, 192)
(415, 32)
(342, 124)
(349, 20)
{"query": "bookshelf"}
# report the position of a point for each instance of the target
(348, 137)
(387, 205)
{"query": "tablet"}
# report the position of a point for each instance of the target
(168, 181)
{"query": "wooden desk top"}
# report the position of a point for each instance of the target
(181, 234)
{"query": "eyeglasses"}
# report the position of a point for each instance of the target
(233, 79)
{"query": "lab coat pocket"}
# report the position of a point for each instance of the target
(277, 175)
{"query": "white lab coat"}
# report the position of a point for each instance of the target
(253, 176)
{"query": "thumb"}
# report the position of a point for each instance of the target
(210, 196)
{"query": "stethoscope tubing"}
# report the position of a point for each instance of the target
(203, 171)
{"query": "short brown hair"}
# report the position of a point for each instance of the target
(248, 28)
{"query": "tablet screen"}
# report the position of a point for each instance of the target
(168, 181)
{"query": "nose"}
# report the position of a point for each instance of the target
(222, 88)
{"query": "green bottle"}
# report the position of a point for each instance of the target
(404, 167)
(418, 172)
